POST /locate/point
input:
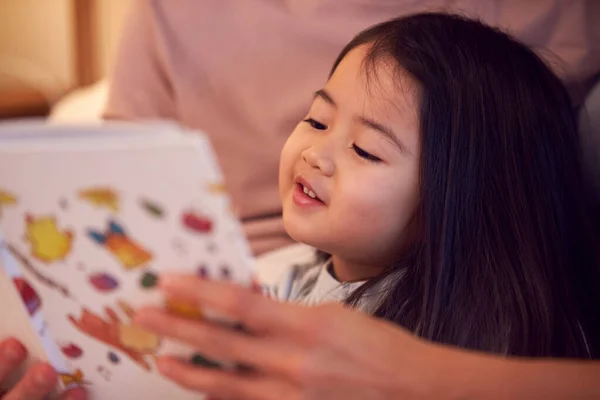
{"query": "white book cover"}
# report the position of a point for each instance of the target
(89, 217)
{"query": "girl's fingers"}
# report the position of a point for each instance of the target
(223, 343)
(225, 384)
(255, 311)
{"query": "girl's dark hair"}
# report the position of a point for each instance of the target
(506, 255)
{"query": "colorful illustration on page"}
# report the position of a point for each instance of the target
(124, 337)
(114, 239)
(27, 265)
(103, 282)
(196, 222)
(71, 350)
(48, 242)
(29, 296)
(183, 309)
(152, 208)
(73, 379)
(101, 197)
(217, 188)
(6, 199)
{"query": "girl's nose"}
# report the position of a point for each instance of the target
(314, 157)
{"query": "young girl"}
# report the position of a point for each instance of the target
(439, 169)
(438, 173)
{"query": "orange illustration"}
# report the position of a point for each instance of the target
(75, 378)
(129, 253)
(132, 340)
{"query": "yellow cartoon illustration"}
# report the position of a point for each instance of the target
(48, 242)
(183, 309)
(129, 253)
(134, 338)
(217, 188)
(75, 378)
(101, 197)
(6, 199)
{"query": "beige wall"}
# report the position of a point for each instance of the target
(37, 43)
(111, 14)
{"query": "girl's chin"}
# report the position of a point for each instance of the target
(303, 234)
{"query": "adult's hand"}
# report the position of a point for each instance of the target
(37, 383)
(324, 352)
(331, 352)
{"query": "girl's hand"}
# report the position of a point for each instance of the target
(37, 383)
(295, 352)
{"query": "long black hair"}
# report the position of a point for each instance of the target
(506, 254)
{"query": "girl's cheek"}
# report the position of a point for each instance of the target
(286, 154)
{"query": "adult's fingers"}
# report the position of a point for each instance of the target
(271, 354)
(39, 381)
(255, 311)
(226, 384)
(74, 394)
(12, 354)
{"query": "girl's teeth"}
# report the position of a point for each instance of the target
(309, 193)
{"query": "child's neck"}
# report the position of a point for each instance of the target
(345, 270)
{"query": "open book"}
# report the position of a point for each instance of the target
(89, 217)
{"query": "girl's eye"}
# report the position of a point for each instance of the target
(363, 154)
(315, 124)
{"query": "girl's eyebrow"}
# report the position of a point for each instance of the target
(322, 93)
(385, 131)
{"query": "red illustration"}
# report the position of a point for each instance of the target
(29, 296)
(196, 222)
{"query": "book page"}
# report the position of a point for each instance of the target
(89, 227)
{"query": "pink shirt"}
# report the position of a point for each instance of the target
(244, 71)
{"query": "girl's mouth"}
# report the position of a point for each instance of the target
(308, 192)
(304, 196)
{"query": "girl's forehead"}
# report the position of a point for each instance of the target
(380, 87)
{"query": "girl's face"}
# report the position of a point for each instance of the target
(349, 173)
